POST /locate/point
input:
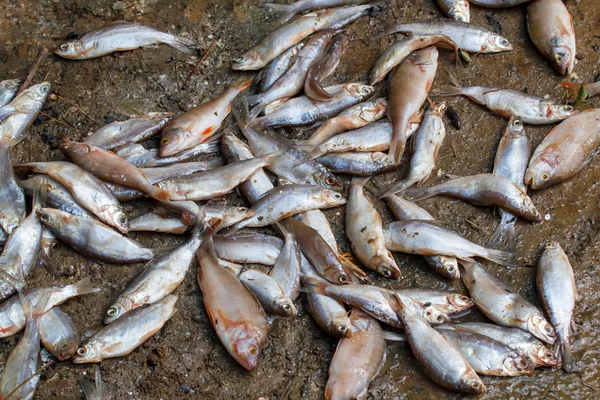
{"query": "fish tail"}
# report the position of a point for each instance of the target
(84, 286)
(287, 11)
(314, 89)
(417, 194)
(40, 193)
(568, 361)
(255, 112)
(398, 186)
(451, 91)
(253, 99)
(360, 181)
(212, 144)
(185, 45)
(91, 389)
(313, 285)
(241, 224)
(391, 29)
(504, 237)
(501, 257)
(393, 336)
(240, 112)
(160, 194)
(242, 84)
(271, 157)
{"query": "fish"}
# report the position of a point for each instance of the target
(144, 158)
(20, 376)
(498, 3)
(405, 210)
(324, 67)
(288, 11)
(278, 66)
(216, 182)
(486, 355)
(456, 9)
(8, 90)
(21, 251)
(374, 137)
(398, 51)
(161, 276)
(241, 325)
(295, 31)
(158, 174)
(56, 195)
(506, 103)
(358, 163)
(550, 28)
(158, 221)
(12, 198)
(504, 305)
(291, 82)
(121, 36)
(199, 124)
(259, 183)
(286, 270)
(467, 37)
(511, 162)
(317, 220)
(375, 301)
(12, 317)
(248, 247)
(268, 293)
(355, 117)
(302, 111)
(89, 191)
(318, 252)
(565, 151)
(427, 142)
(484, 190)
(285, 201)
(92, 390)
(127, 333)
(409, 85)
(557, 290)
(442, 362)
(364, 229)
(93, 239)
(357, 360)
(517, 339)
(447, 302)
(429, 238)
(109, 167)
(59, 334)
(25, 109)
(122, 133)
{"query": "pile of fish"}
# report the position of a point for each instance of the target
(78, 201)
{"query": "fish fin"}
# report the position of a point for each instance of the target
(393, 336)
(450, 91)
(6, 111)
(211, 230)
(253, 99)
(34, 310)
(91, 390)
(18, 279)
(160, 194)
(502, 257)
(84, 286)
(568, 361)
(504, 237)
(242, 84)
(255, 112)
(349, 265)
(185, 45)
(313, 285)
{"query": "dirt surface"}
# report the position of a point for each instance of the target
(185, 359)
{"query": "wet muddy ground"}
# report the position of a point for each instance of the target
(186, 360)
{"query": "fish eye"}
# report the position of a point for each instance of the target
(464, 298)
(82, 351)
(342, 329)
(517, 123)
(548, 329)
(549, 354)
(439, 319)
(122, 219)
(252, 350)
(64, 47)
(45, 89)
(112, 311)
(568, 108)
(428, 313)
(337, 196)
(242, 209)
(545, 177)
(343, 279)
(286, 307)
(240, 59)
(503, 42)
(67, 147)
(330, 181)
(558, 57)
(451, 268)
(386, 272)
(474, 385)
(164, 141)
(44, 218)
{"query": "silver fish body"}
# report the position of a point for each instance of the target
(358, 163)
(8, 90)
(57, 196)
(12, 198)
(278, 66)
(59, 334)
(269, 293)
(286, 270)
(26, 106)
(252, 248)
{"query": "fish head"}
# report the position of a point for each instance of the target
(286, 307)
(39, 92)
(563, 56)
(248, 61)
(72, 49)
(10, 84)
(88, 353)
(434, 316)
(386, 265)
(460, 11)
(68, 148)
(562, 111)
(446, 266)
(118, 218)
(534, 214)
(342, 325)
(541, 356)
(333, 198)
(53, 218)
(117, 310)
(247, 352)
(359, 90)
(471, 383)
(172, 141)
(542, 171)
(460, 302)
(516, 365)
(342, 278)
(539, 327)
(496, 44)
(514, 128)
(65, 349)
